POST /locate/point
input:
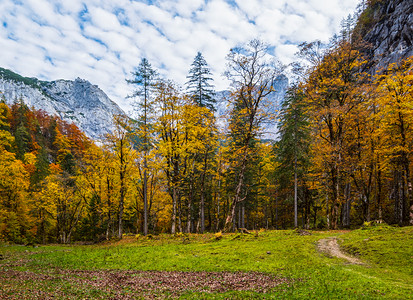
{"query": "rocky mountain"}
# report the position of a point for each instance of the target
(78, 101)
(387, 25)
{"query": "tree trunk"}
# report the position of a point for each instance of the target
(121, 201)
(120, 215)
(335, 206)
(122, 172)
(145, 197)
(379, 186)
(307, 209)
(231, 215)
(108, 186)
(276, 212)
(346, 206)
(408, 195)
(179, 207)
(328, 212)
(145, 165)
(398, 195)
(411, 213)
(189, 216)
(242, 214)
(173, 227)
(202, 212)
(218, 204)
(315, 217)
(202, 204)
(237, 197)
(295, 194)
(409, 202)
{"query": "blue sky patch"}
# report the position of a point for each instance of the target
(97, 58)
(84, 14)
(12, 36)
(122, 17)
(49, 59)
(96, 40)
(271, 49)
(233, 3)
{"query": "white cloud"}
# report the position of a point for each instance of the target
(184, 8)
(225, 21)
(286, 52)
(105, 20)
(103, 41)
(69, 7)
(41, 10)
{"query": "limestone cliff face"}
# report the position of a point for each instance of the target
(77, 101)
(388, 26)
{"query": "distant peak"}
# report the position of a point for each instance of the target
(78, 79)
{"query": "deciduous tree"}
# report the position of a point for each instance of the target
(252, 76)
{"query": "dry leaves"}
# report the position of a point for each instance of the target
(131, 284)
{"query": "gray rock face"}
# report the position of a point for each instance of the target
(77, 101)
(275, 99)
(392, 34)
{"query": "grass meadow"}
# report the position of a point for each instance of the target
(282, 264)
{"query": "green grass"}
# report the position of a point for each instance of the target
(387, 251)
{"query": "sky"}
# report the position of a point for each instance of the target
(103, 41)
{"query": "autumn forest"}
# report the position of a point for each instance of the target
(342, 156)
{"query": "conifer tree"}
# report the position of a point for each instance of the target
(293, 145)
(202, 93)
(144, 78)
(198, 85)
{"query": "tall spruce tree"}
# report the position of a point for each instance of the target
(202, 92)
(199, 86)
(293, 145)
(144, 78)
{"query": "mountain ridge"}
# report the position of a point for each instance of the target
(76, 101)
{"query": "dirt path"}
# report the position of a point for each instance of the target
(331, 247)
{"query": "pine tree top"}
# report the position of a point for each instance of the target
(198, 85)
